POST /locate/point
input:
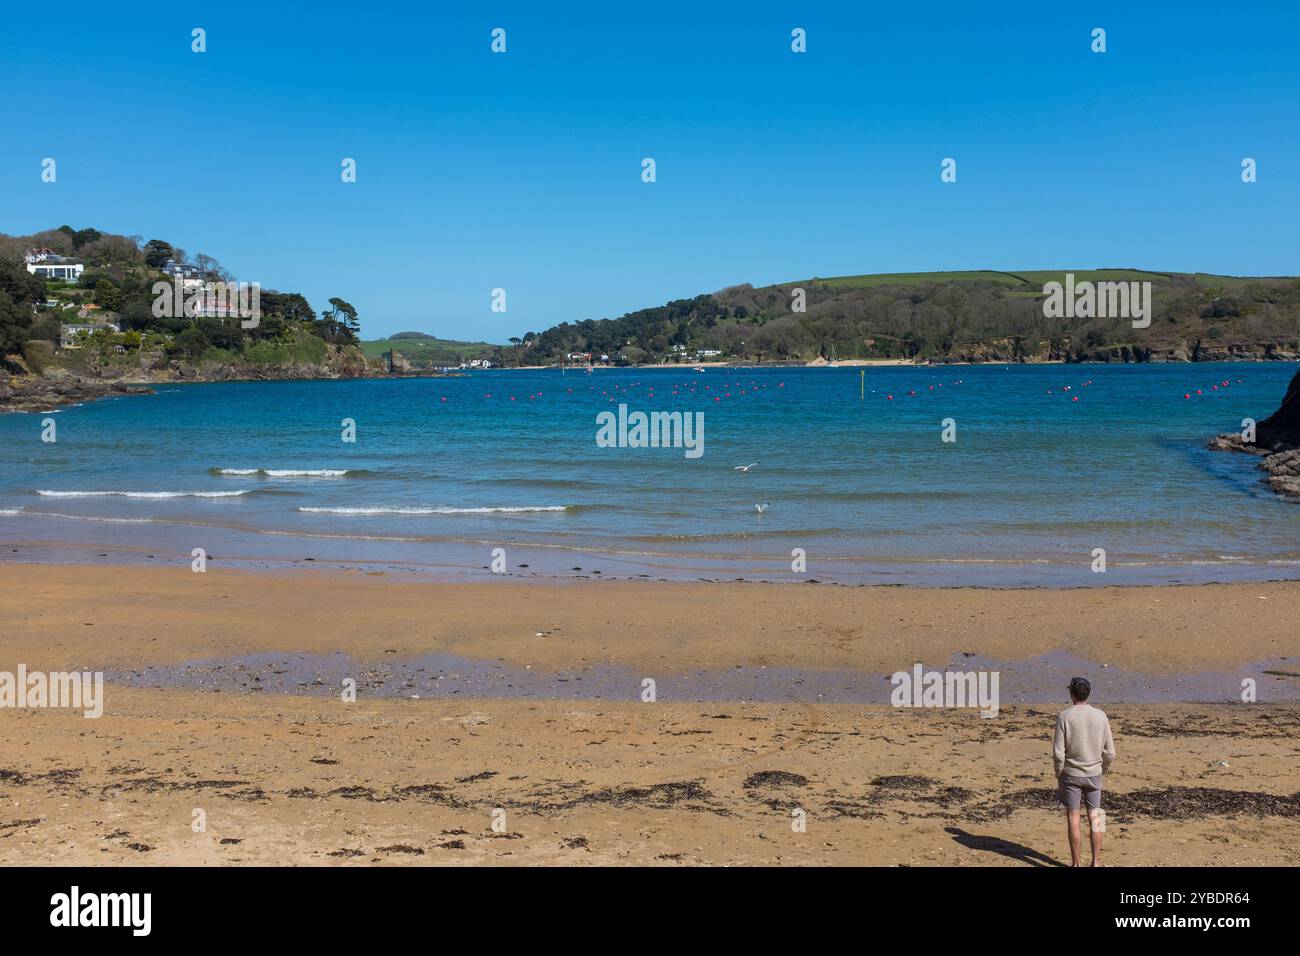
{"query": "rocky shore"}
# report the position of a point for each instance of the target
(1009, 350)
(1276, 442)
(25, 390)
(38, 393)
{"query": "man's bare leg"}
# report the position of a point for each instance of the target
(1097, 829)
(1072, 827)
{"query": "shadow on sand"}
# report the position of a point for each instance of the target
(1013, 851)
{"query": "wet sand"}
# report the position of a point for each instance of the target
(287, 772)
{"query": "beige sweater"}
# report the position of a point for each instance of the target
(1083, 746)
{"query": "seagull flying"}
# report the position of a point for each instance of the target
(744, 467)
(760, 508)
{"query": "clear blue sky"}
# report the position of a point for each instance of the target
(522, 170)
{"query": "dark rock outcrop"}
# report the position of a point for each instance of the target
(1281, 430)
(28, 390)
(1277, 442)
(38, 393)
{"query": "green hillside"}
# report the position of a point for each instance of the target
(426, 351)
(116, 288)
(968, 316)
(918, 278)
(1028, 280)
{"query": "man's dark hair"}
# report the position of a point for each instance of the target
(1080, 688)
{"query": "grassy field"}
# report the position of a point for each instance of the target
(430, 351)
(1039, 278)
(919, 278)
(299, 348)
(1032, 279)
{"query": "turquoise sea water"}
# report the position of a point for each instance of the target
(1050, 462)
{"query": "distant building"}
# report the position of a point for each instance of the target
(70, 332)
(210, 307)
(178, 270)
(707, 353)
(47, 264)
(395, 361)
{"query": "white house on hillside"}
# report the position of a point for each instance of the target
(49, 265)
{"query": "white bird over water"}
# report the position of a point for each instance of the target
(744, 467)
(760, 508)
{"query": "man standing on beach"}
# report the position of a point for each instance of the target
(1082, 751)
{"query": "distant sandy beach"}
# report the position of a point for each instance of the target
(299, 776)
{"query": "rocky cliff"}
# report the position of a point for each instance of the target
(28, 390)
(38, 393)
(1277, 442)
(1282, 429)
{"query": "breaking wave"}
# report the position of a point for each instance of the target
(515, 509)
(140, 494)
(288, 472)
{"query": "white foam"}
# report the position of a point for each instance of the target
(287, 472)
(432, 511)
(305, 473)
(140, 494)
(99, 518)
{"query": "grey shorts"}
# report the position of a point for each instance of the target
(1071, 789)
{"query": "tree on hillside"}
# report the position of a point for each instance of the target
(210, 268)
(108, 295)
(55, 239)
(290, 306)
(19, 289)
(83, 236)
(192, 342)
(23, 287)
(15, 320)
(109, 249)
(157, 252)
(342, 321)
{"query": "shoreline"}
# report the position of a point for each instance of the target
(675, 625)
(550, 564)
(34, 393)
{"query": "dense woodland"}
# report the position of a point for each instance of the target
(1000, 318)
(987, 316)
(119, 275)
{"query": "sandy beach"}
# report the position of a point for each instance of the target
(293, 774)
